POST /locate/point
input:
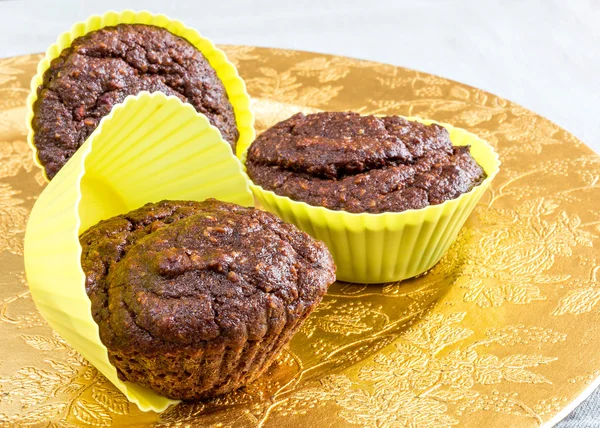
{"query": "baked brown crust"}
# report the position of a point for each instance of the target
(345, 161)
(195, 299)
(103, 67)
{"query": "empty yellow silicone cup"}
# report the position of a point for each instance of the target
(226, 71)
(375, 248)
(149, 148)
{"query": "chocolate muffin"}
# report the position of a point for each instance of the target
(196, 299)
(103, 67)
(345, 161)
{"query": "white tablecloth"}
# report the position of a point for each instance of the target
(544, 54)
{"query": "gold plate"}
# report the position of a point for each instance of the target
(502, 332)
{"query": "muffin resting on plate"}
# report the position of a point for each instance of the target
(196, 299)
(345, 161)
(103, 67)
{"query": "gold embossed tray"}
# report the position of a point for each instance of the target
(502, 332)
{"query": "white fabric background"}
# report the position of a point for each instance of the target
(542, 54)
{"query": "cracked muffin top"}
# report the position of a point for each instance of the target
(345, 161)
(103, 67)
(176, 274)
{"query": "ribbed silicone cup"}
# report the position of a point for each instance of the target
(226, 71)
(149, 148)
(377, 248)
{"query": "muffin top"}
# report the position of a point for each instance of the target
(103, 67)
(175, 274)
(345, 161)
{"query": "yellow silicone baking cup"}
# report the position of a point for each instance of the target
(376, 248)
(226, 71)
(149, 148)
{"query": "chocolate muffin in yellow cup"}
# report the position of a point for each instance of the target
(197, 299)
(102, 60)
(169, 293)
(387, 195)
(149, 148)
